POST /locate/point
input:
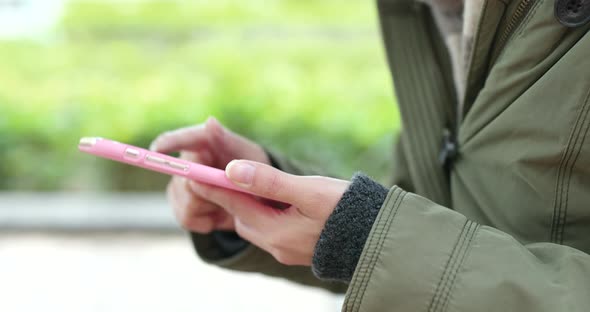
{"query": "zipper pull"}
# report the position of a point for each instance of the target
(449, 151)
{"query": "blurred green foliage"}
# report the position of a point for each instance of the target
(129, 70)
(184, 16)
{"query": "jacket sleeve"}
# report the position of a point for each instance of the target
(421, 256)
(250, 258)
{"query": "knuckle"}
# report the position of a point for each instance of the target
(185, 223)
(283, 257)
(216, 134)
(190, 156)
(239, 228)
(173, 184)
(185, 155)
(276, 241)
(176, 184)
(170, 191)
(163, 136)
(204, 227)
(186, 214)
(201, 191)
(209, 194)
(231, 203)
(315, 198)
(201, 225)
(274, 186)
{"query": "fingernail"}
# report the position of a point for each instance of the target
(153, 146)
(240, 172)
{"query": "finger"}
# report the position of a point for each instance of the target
(202, 225)
(200, 207)
(172, 196)
(177, 198)
(188, 138)
(241, 206)
(201, 157)
(196, 206)
(269, 182)
(187, 205)
(191, 138)
(226, 142)
(251, 235)
(223, 220)
(198, 215)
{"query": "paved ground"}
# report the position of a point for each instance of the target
(134, 272)
(70, 211)
(121, 252)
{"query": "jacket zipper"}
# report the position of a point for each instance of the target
(522, 10)
(450, 149)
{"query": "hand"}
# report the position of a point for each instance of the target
(290, 235)
(213, 145)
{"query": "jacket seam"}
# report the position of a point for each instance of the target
(361, 266)
(565, 172)
(582, 136)
(570, 177)
(560, 172)
(528, 18)
(377, 252)
(367, 263)
(438, 291)
(452, 267)
(472, 236)
(559, 183)
(455, 261)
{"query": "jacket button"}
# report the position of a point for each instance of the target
(572, 13)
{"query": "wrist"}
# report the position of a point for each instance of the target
(342, 240)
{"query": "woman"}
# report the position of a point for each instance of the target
(496, 219)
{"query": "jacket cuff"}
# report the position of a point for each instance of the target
(341, 242)
(417, 249)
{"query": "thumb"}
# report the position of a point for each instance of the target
(266, 181)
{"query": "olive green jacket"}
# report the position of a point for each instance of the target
(509, 228)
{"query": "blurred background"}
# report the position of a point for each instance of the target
(304, 77)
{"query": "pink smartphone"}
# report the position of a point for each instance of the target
(143, 158)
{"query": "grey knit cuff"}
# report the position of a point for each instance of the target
(342, 240)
